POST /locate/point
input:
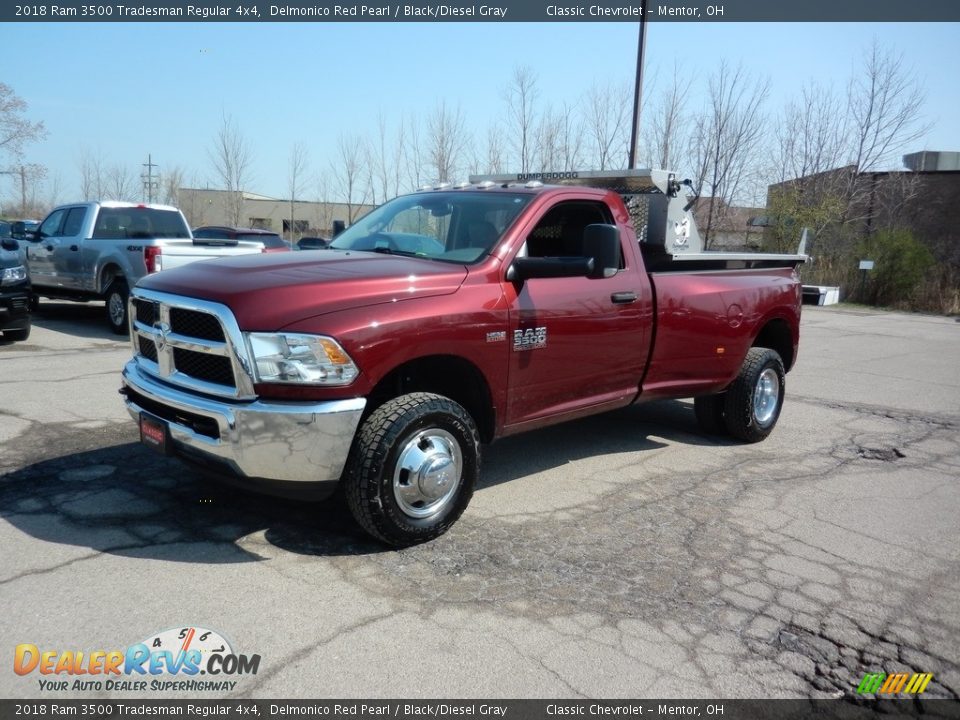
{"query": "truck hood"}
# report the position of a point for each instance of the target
(267, 292)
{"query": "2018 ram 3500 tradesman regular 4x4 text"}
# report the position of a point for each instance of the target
(448, 318)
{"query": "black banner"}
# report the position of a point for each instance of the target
(842, 709)
(494, 11)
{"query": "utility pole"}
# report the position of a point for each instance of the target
(637, 96)
(148, 182)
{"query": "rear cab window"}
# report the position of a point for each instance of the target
(139, 223)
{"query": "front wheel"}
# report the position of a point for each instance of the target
(412, 468)
(753, 401)
(116, 299)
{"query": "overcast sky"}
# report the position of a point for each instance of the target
(124, 90)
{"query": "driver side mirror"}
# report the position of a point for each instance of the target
(602, 243)
(19, 231)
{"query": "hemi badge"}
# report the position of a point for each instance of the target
(498, 336)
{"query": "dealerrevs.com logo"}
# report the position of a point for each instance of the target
(172, 660)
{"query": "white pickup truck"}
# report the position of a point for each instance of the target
(99, 250)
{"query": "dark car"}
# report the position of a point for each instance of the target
(269, 241)
(14, 292)
(312, 243)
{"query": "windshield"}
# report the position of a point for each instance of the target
(459, 227)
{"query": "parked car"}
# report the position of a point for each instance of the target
(99, 250)
(267, 240)
(14, 292)
(312, 243)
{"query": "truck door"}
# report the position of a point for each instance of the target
(54, 258)
(41, 252)
(67, 258)
(574, 342)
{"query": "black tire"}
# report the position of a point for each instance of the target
(17, 335)
(116, 301)
(709, 410)
(754, 400)
(34, 303)
(377, 486)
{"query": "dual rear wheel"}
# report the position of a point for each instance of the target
(748, 409)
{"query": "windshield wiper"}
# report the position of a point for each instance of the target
(388, 251)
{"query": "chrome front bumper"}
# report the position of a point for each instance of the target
(289, 442)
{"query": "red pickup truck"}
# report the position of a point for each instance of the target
(446, 319)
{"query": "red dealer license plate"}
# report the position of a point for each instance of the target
(154, 433)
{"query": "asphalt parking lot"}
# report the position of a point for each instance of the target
(625, 555)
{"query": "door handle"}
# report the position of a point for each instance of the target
(622, 298)
(48, 247)
(74, 247)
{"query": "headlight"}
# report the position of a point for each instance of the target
(307, 359)
(13, 275)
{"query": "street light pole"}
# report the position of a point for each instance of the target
(637, 96)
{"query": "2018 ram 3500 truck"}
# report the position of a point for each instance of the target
(448, 318)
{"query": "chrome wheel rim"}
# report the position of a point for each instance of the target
(766, 397)
(115, 304)
(427, 473)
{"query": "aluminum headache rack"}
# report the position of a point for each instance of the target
(662, 219)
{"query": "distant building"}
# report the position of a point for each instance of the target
(924, 199)
(731, 228)
(210, 207)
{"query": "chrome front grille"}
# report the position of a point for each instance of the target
(201, 365)
(195, 324)
(194, 344)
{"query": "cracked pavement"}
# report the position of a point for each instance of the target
(624, 555)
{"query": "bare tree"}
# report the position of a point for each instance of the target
(93, 179)
(399, 151)
(349, 173)
(54, 191)
(726, 137)
(28, 179)
(15, 129)
(323, 211)
(172, 182)
(808, 146)
(380, 162)
(232, 158)
(884, 104)
(446, 141)
(296, 178)
(521, 95)
(120, 183)
(666, 128)
(413, 155)
(810, 135)
(558, 139)
(571, 134)
(496, 152)
(608, 123)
